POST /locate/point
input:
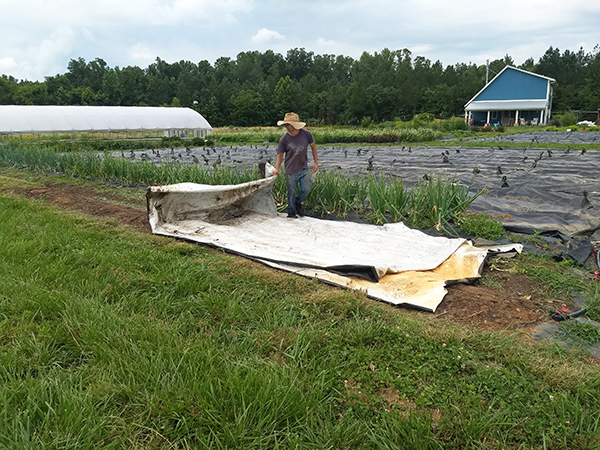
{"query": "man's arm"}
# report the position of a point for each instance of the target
(278, 163)
(313, 147)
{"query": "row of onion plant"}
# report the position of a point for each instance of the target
(379, 198)
(435, 202)
(98, 166)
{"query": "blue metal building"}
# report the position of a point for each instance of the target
(513, 97)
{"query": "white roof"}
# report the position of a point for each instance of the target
(505, 105)
(47, 119)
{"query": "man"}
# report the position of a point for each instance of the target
(295, 145)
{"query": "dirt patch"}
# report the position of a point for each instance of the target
(88, 200)
(494, 310)
(515, 302)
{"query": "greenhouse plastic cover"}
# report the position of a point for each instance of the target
(392, 262)
(47, 119)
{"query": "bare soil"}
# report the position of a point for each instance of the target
(515, 302)
(90, 201)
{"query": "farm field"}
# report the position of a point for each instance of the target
(533, 179)
(113, 337)
(460, 304)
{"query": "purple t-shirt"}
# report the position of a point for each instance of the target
(296, 150)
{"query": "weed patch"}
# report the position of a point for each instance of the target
(482, 226)
(580, 332)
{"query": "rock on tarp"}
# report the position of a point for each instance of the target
(392, 263)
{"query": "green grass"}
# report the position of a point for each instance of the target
(579, 333)
(111, 339)
(483, 226)
(555, 277)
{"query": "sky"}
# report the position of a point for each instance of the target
(38, 38)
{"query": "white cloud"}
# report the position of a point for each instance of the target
(420, 49)
(130, 12)
(35, 60)
(334, 47)
(264, 36)
(58, 45)
(141, 52)
(41, 36)
(7, 65)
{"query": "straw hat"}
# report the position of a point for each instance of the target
(293, 120)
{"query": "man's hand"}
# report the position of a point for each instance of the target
(315, 167)
(275, 172)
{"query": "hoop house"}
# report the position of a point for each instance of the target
(26, 119)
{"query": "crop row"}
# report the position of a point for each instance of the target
(337, 135)
(435, 202)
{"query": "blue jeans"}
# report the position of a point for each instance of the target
(302, 179)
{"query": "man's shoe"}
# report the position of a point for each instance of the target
(292, 215)
(299, 209)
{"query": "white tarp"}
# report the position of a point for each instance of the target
(391, 262)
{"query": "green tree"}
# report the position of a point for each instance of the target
(283, 96)
(528, 65)
(77, 74)
(211, 112)
(87, 74)
(112, 92)
(299, 62)
(31, 93)
(224, 69)
(97, 69)
(160, 90)
(335, 101)
(223, 92)
(162, 69)
(439, 101)
(248, 71)
(590, 91)
(569, 70)
(356, 105)
(343, 70)
(327, 88)
(188, 83)
(472, 79)
(272, 64)
(6, 91)
(247, 109)
(58, 89)
(381, 102)
(83, 96)
(134, 83)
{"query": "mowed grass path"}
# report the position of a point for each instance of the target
(111, 339)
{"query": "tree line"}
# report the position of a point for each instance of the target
(256, 89)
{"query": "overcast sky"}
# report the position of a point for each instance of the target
(39, 37)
